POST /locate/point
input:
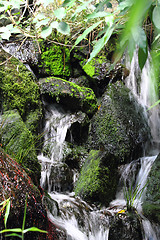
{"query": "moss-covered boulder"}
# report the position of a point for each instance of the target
(100, 73)
(69, 94)
(54, 60)
(16, 185)
(98, 178)
(119, 127)
(18, 86)
(151, 204)
(18, 141)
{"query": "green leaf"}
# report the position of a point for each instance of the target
(81, 7)
(84, 34)
(139, 37)
(68, 3)
(7, 213)
(42, 23)
(60, 13)
(101, 43)
(14, 235)
(156, 16)
(109, 19)
(131, 48)
(5, 33)
(54, 24)
(34, 229)
(155, 104)
(97, 14)
(11, 230)
(46, 31)
(142, 57)
(38, 17)
(63, 28)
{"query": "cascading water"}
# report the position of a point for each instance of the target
(79, 220)
(135, 173)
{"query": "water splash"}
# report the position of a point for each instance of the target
(79, 220)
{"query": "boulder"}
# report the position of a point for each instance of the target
(151, 203)
(98, 178)
(54, 60)
(18, 86)
(125, 227)
(68, 94)
(16, 185)
(18, 141)
(119, 127)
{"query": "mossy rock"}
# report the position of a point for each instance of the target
(97, 181)
(69, 94)
(33, 121)
(18, 86)
(101, 74)
(18, 141)
(55, 60)
(119, 127)
(151, 203)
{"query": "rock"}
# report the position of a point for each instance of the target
(151, 203)
(61, 178)
(16, 185)
(69, 94)
(54, 60)
(98, 178)
(18, 141)
(119, 127)
(127, 227)
(18, 87)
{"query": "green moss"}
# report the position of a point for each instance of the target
(18, 88)
(18, 141)
(58, 88)
(89, 68)
(94, 181)
(55, 60)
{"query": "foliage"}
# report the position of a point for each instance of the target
(131, 194)
(17, 231)
(5, 205)
(129, 16)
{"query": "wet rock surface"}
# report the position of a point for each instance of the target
(151, 204)
(122, 133)
(16, 185)
(125, 227)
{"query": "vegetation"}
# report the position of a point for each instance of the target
(136, 21)
(131, 194)
(16, 231)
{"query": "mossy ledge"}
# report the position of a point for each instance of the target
(69, 94)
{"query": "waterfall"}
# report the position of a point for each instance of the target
(143, 86)
(79, 220)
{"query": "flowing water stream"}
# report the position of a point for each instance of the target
(79, 220)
